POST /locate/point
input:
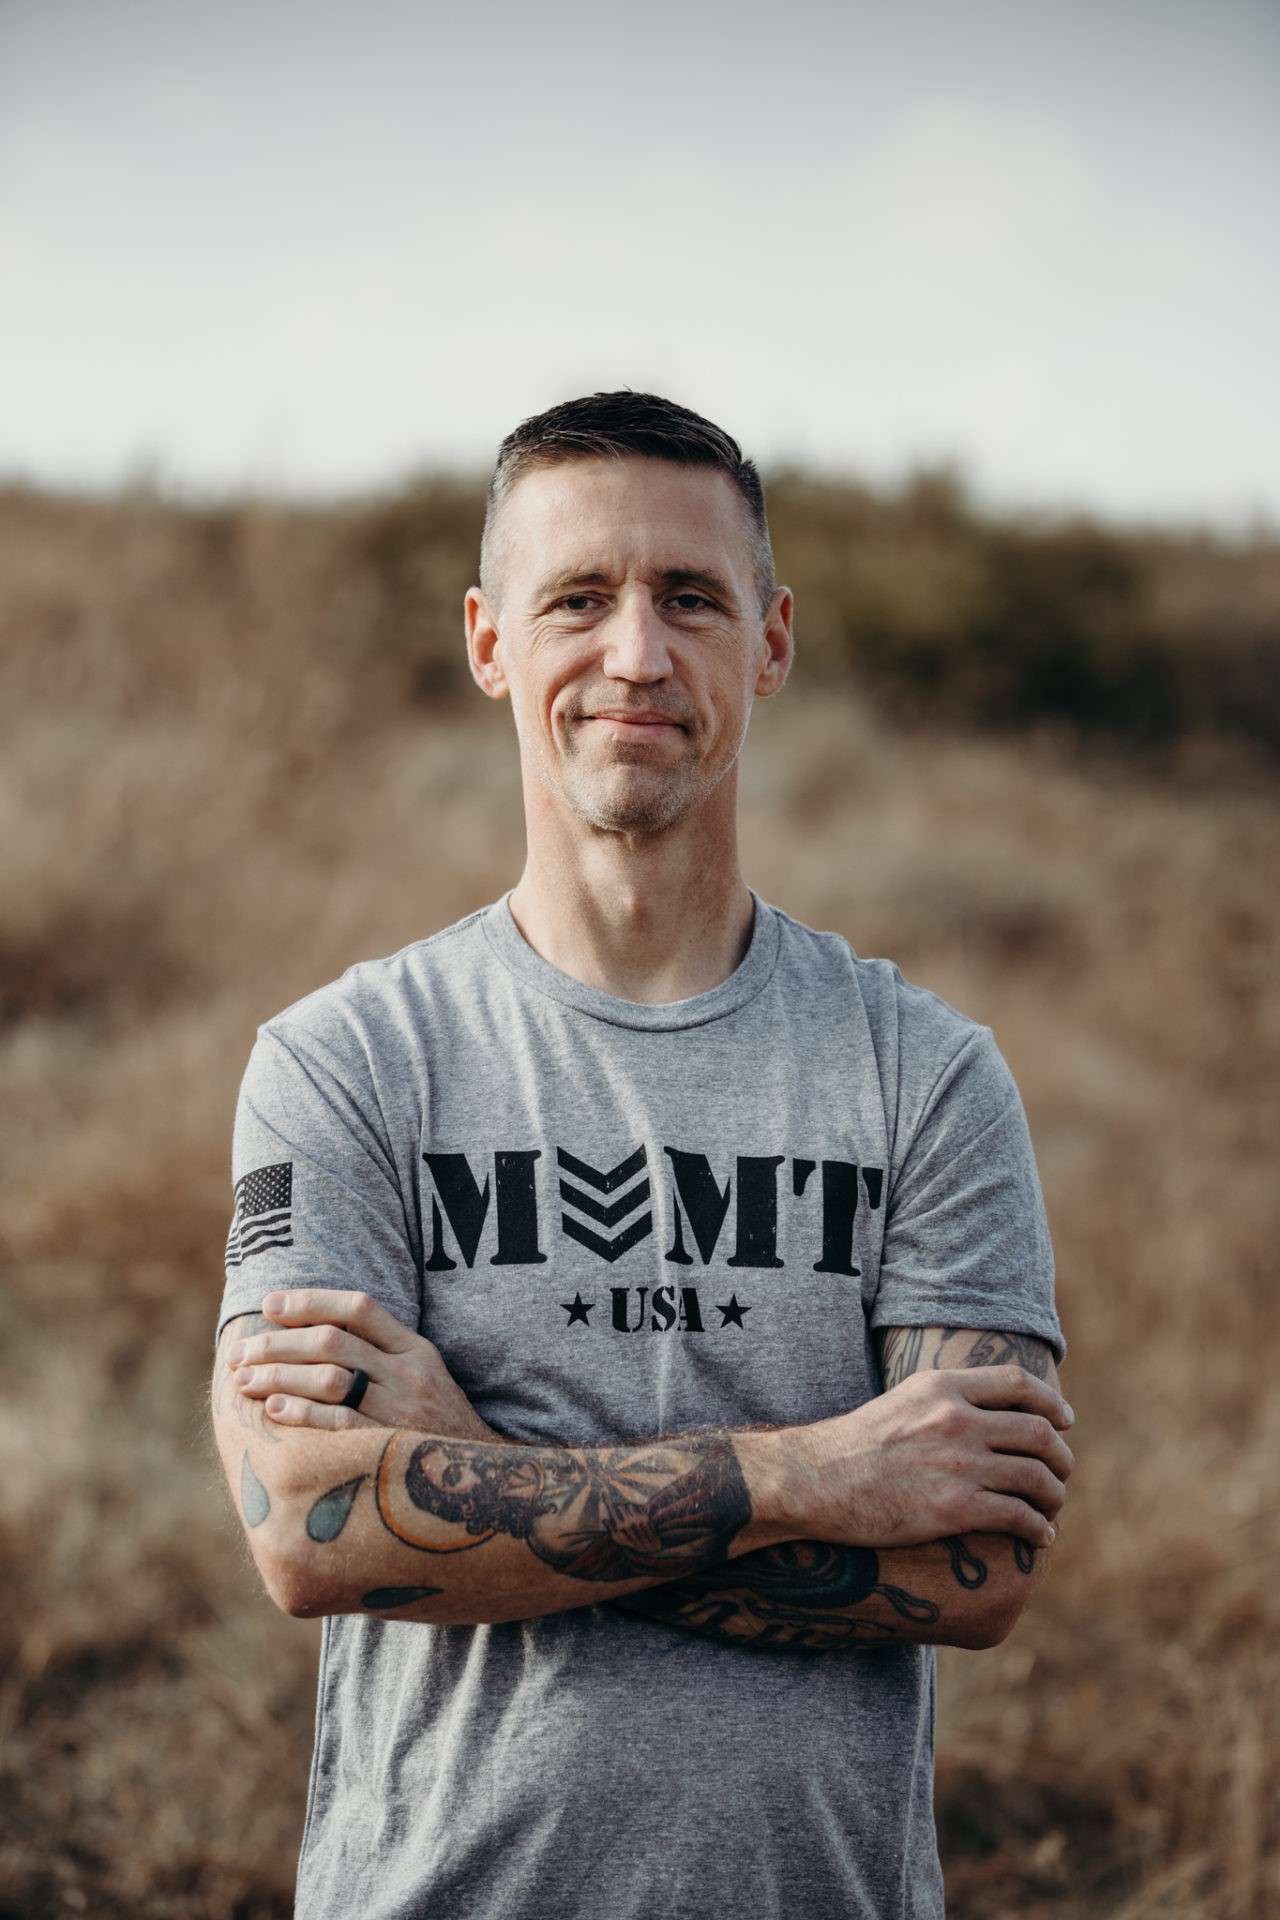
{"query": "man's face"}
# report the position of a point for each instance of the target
(629, 635)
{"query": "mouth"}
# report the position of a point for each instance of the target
(634, 724)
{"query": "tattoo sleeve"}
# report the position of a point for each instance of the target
(905, 1350)
(809, 1597)
(600, 1514)
(804, 1596)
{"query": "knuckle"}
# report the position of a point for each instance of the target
(337, 1380)
(1051, 1496)
(328, 1338)
(361, 1303)
(955, 1512)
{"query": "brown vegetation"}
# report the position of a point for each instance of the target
(235, 755)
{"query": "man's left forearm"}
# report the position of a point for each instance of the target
(808, 1596)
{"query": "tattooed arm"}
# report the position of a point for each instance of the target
(434, 1527)
(964, 1590)
(423, 1526)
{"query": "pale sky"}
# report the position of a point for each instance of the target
(317, 247)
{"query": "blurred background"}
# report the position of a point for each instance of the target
(992, 294)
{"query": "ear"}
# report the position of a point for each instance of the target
(778, 646)
(482, 646)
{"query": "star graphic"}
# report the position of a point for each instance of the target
(577, 1310)
(731, 1314)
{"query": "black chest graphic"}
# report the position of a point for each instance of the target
(499, 1207)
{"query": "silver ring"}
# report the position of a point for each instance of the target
(357, 1390)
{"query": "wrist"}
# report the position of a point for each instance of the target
(778, 1470)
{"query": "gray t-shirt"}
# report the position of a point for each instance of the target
(618, 1221)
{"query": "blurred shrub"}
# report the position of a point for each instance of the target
(399, 571)
(953, 617)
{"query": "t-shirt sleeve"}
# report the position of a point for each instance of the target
(966, 1239)
(316, 1198)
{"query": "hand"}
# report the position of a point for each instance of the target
(304, 1371)
(948, 1452)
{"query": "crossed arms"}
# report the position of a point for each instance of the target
(913, 1518)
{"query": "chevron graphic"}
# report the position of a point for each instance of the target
(606, 1213)
(596, 1210)
(604, 1182)
(609, 1250)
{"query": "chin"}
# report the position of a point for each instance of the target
(645, 807)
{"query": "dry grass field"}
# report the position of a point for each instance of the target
(234, 757)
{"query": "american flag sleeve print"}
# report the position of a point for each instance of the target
(263, 1214)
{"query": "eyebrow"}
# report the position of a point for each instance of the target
(668, 577)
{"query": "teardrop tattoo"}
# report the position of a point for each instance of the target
(254, 1498)
(331, 1511)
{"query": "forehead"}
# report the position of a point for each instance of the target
(618, 516)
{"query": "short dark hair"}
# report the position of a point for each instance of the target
(619, 425)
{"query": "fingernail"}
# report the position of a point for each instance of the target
(273, 1304)
(1053, 1534)
(243, 1376)
(236, 1354)
(1069, 1411)
(276, 1403)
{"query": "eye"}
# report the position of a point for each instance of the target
(577, 602)
(689, 601)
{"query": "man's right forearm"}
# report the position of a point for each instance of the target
(421, 1527)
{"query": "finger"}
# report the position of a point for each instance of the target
(1014, 1389)
(358, 1312)
(1030, 1479)
(998, 1513)
(288, 1410)
(307, 1346)
(1029, 1433)
(326, 1383)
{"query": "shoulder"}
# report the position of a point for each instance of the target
(920, 1024)
(383, 999)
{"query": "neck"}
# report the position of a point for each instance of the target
(651, 918)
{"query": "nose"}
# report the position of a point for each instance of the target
(635, 639)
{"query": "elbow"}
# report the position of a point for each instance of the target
(300, 1601)
(296, 1585)
(992, 1617)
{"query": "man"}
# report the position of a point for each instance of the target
(659, 1351)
